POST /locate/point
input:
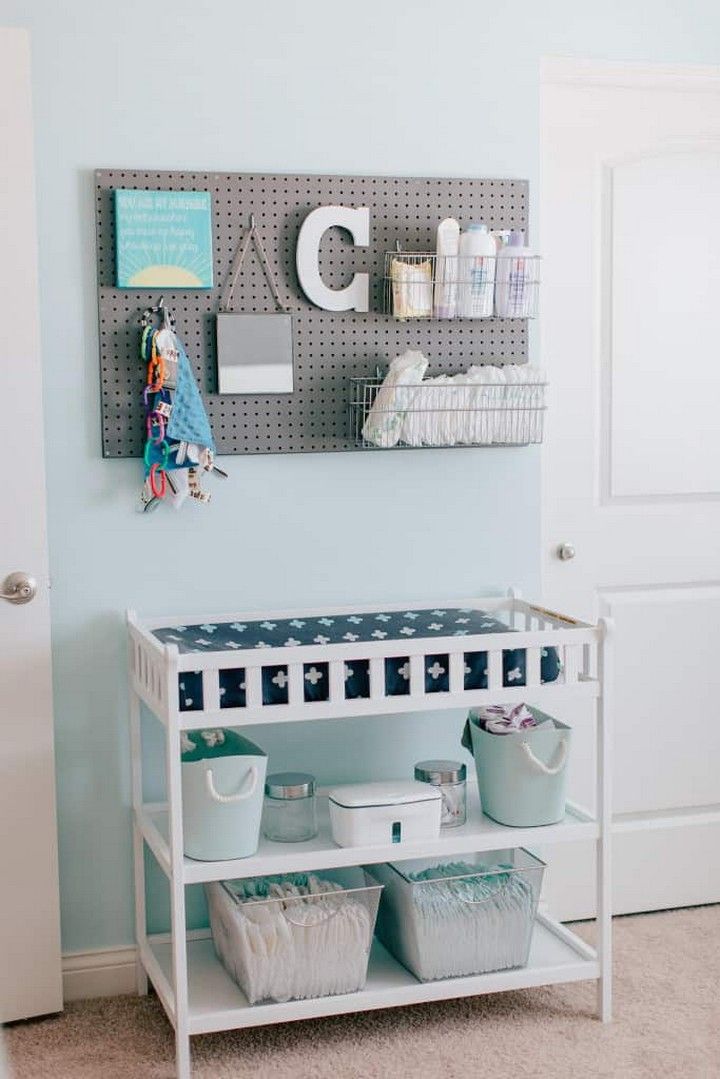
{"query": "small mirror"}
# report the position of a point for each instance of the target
(255, 353)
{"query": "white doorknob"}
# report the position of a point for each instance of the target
(565, 552)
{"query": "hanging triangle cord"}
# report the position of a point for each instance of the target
(236, 266)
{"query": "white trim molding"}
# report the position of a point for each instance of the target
(635, 75)
(103, 972)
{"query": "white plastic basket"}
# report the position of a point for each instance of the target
(462, 923)
(293, 947)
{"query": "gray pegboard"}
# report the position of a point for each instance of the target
(329, 347)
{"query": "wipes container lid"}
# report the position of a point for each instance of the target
(383, 793)
(203, 745)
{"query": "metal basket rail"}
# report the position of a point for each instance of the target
(424, 285)
(452, 414)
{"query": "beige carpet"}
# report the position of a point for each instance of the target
(667, 1024)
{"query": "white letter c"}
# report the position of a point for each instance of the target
(356, 297)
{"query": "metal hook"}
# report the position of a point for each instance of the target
(161, 309)
(252, 222)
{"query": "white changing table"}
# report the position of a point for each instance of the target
(197, 994)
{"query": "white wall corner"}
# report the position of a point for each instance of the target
(104, 972)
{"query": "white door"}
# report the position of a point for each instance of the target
(30, 978)
(630, 223)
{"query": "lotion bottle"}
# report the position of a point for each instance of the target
(446, 268)
(515, 284)
(477, 272)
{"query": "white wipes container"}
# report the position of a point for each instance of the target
(223, 775)
(390, 811)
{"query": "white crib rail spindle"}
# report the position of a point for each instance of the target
(296, 683)
(532, 666)
(495, 670)
(417, 676)
(377, 678)
(253, 687)
(337, 680)
(457, 672)
(572, 658)
(211, 690)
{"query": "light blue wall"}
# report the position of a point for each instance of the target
(409, 87)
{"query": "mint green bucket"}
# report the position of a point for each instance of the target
(223, 781)
(522, 776)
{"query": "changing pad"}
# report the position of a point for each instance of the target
(424, 624)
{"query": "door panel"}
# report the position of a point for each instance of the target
(664, 275)
(630, 233)
(30, 977)
(667, 693)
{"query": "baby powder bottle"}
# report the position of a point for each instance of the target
(476, 272)
(514, 282)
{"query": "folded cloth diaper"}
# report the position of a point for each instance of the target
(412, 288)
(385, 419)
(503, 719)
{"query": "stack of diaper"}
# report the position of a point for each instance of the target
(453, 919)
(383, 427)
(469, 925)
(293, 937)
(484, 405)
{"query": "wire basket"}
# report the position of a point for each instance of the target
(421, 285)
(312, 941)
(445, 414)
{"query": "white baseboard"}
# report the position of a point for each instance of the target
(104, 972)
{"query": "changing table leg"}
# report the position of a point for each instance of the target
(604, 812)
(141, 980)
(177, 903)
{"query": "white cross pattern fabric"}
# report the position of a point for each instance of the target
(410, 628)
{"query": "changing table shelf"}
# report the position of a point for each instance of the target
(216, 1003)
(479, 833)
(272, 667)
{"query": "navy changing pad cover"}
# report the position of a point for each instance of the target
(403, 625)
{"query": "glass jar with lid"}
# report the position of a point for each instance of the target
(289, 814)
(451, 779)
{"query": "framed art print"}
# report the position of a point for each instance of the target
(163, 239)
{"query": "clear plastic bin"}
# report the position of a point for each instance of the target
(295, 946)
(476, 916)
